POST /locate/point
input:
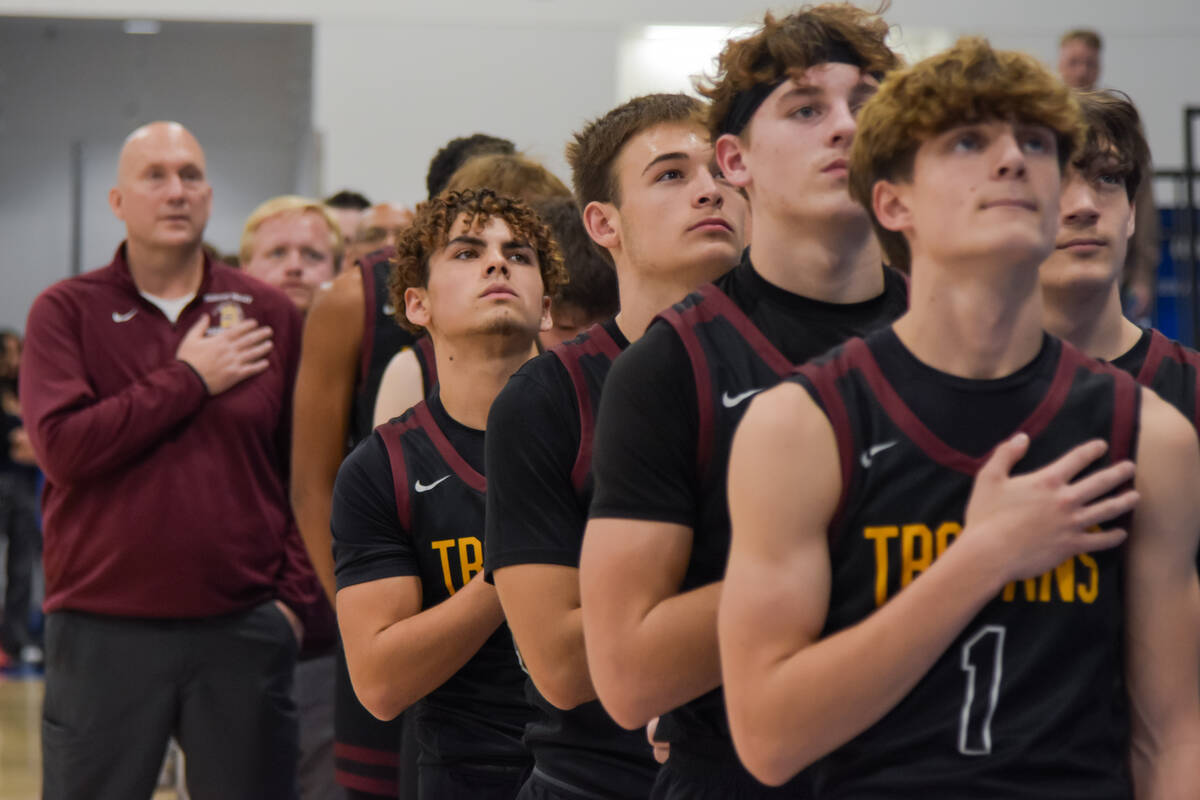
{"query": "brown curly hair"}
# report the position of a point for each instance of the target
(511, 174)
(966, 84)
(430, 231)
(785, 48)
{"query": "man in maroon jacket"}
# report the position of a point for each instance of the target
(157, 397)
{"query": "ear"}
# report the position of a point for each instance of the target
(547, 322)
(416, 306)
(890, 202)
(1131, 225)
(114, 202)
(602, 222)
(730, 154)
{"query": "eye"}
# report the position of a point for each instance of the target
(520, 257)
(669, 175)
(465, 254)
(805, 112)
(278, 252)
(316, 256)
(968, 142)
(1037, 143)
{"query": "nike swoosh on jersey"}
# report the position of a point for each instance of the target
(128, 315)
(730, 402)
(425, 487)
(869, 454)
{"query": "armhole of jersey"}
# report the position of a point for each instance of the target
(823, 381)
(391, 434)
(704, 400)
(1127, 407)
(722, 305)
(465, 472)
(368, 337)
(423, 350)
(569, 358)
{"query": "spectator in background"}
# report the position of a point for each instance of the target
(509, 173)
(292, 243)
(456, 152)
(157, 395)
(1079, 65)
(377, 229)
(347, 207)
(18, 511)
(590, 293)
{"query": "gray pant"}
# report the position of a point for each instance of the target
(117, 688)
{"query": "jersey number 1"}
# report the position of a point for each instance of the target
(983, 661)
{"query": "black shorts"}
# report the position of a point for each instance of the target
(471, 781)
(371, 757)
(689, 777)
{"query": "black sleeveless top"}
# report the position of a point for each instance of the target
(732, 359)
(1026, 702)
(479, 714)
(382, 338)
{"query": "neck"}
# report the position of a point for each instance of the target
(834, 262)
(645, 292)
(1090, 319)
(166, 273)
(974, 321)
(473, 369)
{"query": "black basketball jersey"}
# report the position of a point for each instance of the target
(479, 714)
(382, 338)
(1026, 701)
(732, 360)
(583, 748)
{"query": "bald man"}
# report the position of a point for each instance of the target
(157, 396)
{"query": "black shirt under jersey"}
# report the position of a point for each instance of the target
(479, 714)
(654, 460)
(1025, 701)
(537, 505)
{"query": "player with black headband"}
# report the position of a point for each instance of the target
(783, 118)
(418, 621)
(930, 590)
(646, 179)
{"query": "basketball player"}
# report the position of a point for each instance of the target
(475, 272)
(644, 175)
(782, 119)
(930, 589)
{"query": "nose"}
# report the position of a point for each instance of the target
(1078, 207)
(497, 264)
(708, 191)
(1010, 158)
(293, 266)
(842, 124)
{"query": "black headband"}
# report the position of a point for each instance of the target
(746, 102)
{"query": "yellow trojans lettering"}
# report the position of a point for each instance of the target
(469, 560)
(913, 548)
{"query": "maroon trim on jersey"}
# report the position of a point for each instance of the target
(704, 402)
(423, 349)
(598, 342)
(392, 434)
(1125, 413)
(860, 356)
(366, 755)
(1161, 349)
(457, 463)
(722, 306)
(361, 783)
(824, 380)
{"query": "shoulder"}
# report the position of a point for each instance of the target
(540, 387)
(1163, 432)
(367, 462)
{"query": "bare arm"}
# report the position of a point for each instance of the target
(650, 648)
(782, 495)
(1163, 607)
(541, 602)
(324, 388)
(400, 388)
(396, 652)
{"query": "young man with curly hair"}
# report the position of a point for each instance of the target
(782, 120)
(949, 611)
(667, 221)
(418, 621)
